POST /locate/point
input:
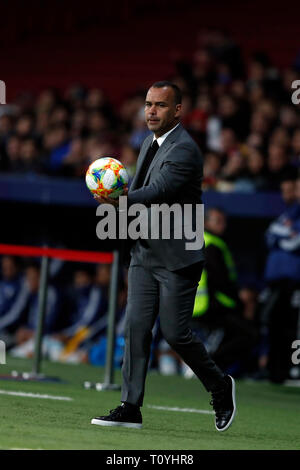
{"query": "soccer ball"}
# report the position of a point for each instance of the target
(106, 177)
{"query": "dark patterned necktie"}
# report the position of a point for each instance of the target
(146, 164)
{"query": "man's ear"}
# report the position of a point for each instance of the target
(178, 110)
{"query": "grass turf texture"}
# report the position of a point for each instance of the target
(267, 417)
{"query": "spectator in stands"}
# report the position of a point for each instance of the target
(95, 99)
(103, 274)
(30, 312)
(232, 116)
(6, 131)
(282, 274)
(96, 353)
(76, 96)
(211, 170)
(229, 144)
(218, 312)
(226, 107)
(22, 315)
(42, 123)
(13, 151)
(260, 125)
(47, 100)
(79, 121)
(57, 143)
(97, 147)
(30, 160)
(289, 119)
(289, 75)
(102, 280)
(278, 166)
(25, 126)
(130, 108)
(256, 174)
(196, 119)
(12, 297)
(269, 110)
(6, 127)
(257, 361)
(255, 140)
(296, 148)
(59, 115)
(288, 191)
(233, 174)
(280, 136)
(75, 162)
(97, 123)
(88, 301)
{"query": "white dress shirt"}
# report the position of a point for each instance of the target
(161, 139)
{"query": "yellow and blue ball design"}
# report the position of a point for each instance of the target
(106, 177)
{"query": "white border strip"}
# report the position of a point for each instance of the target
(183, 410)
(21, 448)
(34, 395)
(292, 383)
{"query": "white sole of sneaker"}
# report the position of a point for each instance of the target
(100, 422)
(234, 407)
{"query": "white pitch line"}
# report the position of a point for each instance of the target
(292, 383)
(35, 395)
(21, 448)
(183, 410)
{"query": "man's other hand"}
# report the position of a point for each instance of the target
(109, 200)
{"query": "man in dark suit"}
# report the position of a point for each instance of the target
(164, 273)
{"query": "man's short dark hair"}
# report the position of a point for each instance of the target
(175, 88)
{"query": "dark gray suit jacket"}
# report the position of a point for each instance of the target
(174, 176)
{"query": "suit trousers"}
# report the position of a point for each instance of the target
(153, 290)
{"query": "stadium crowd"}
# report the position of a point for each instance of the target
(76, 312)
(241, 115)
(248, 129)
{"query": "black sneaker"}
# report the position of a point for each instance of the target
(223, 403)
(125, 415)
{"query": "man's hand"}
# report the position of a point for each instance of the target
(106, 200)
(109, 200)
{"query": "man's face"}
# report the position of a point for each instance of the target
(9, 269)
(288, 191)
(216, 222)
(298, 190)
(81, 279)
(103, 274)
(33, 279)
(161, 112)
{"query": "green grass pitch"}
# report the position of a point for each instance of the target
(267, 417)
